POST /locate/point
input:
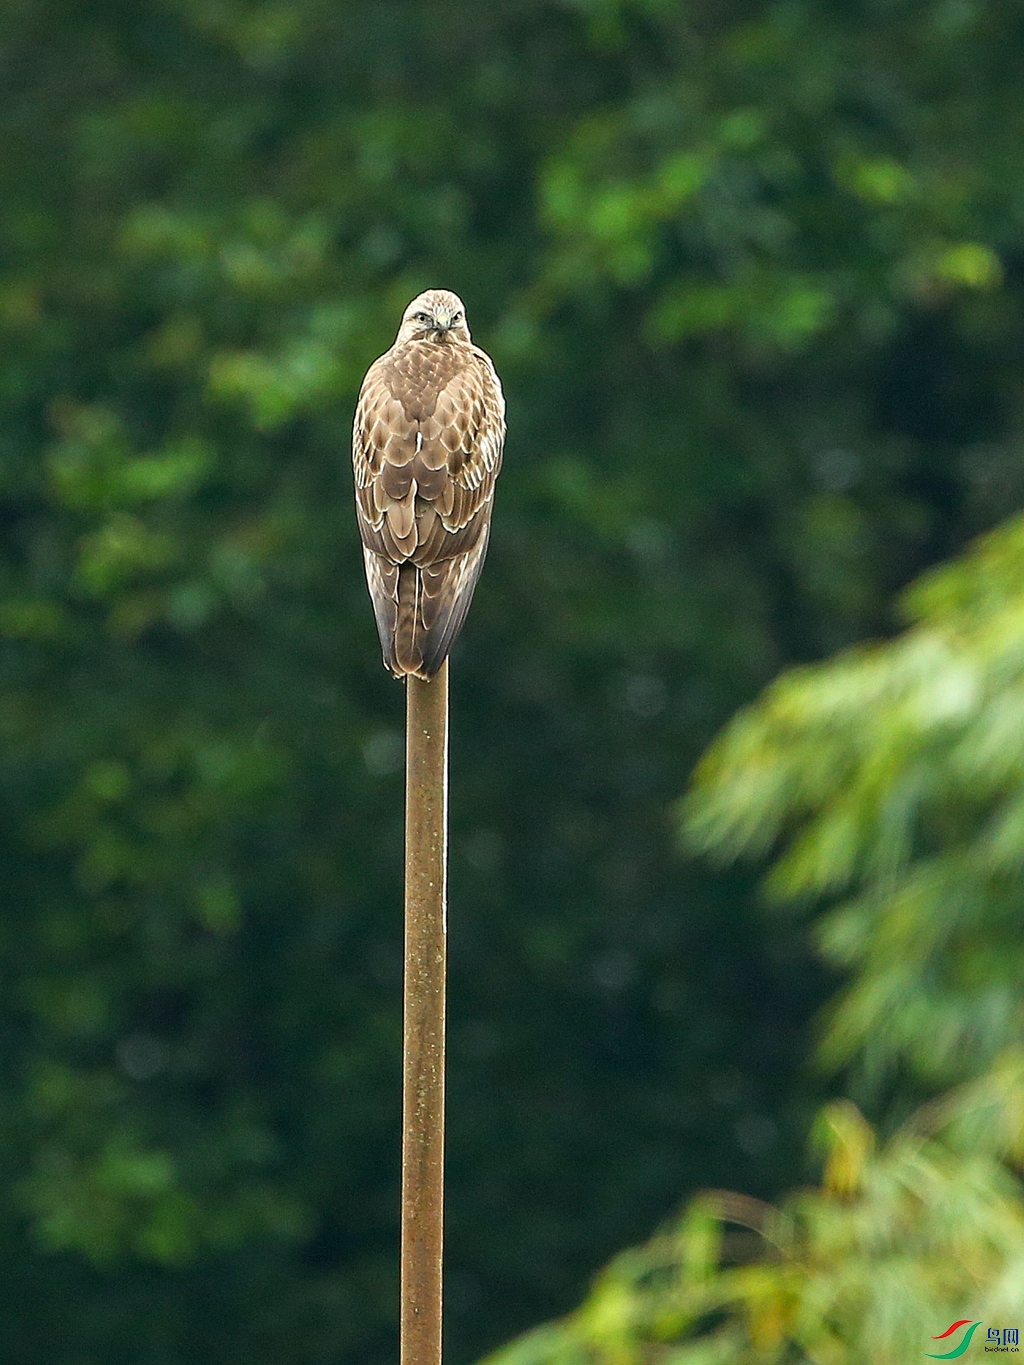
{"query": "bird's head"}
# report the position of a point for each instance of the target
(434, 315)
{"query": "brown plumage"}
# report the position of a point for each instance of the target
(426, 449)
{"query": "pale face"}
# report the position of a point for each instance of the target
(434, 315)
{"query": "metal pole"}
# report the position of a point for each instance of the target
(426, 928)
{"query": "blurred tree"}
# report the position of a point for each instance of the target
(890, 784)
(752, 277)
(895, 1246)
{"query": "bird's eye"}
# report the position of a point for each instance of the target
(456, 317)
(422, 317)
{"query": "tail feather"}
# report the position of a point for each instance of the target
(407, 642)
(447, 598)
(420, 611)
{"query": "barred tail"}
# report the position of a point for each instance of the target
(406, 652)
(420, 610)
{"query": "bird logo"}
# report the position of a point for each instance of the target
(965, 1340)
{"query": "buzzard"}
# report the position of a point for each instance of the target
(426, 448)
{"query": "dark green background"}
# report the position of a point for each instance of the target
(752, 276)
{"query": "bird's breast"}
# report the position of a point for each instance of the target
(418, 373)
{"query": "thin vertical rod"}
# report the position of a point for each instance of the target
(426, 928)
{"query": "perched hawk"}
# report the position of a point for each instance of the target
(426, 448)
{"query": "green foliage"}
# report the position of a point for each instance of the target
(890, 782)
(894, 1245)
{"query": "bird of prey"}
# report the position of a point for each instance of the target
(426, 448)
